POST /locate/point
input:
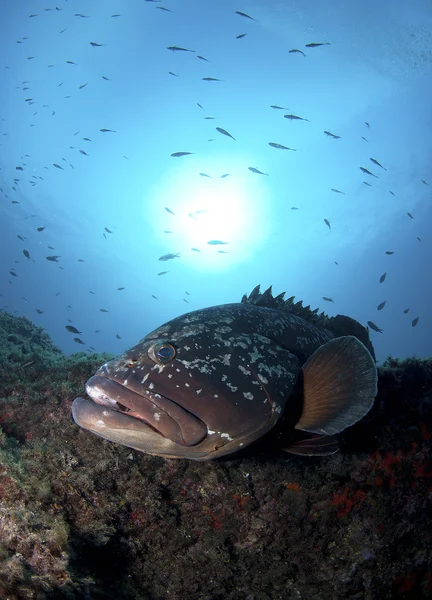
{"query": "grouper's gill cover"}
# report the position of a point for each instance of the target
(212, 381)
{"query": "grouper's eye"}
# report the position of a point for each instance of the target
(162, 353)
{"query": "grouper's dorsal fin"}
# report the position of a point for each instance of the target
(267, 300)
(340, 325)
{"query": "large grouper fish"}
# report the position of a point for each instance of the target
(212, 381)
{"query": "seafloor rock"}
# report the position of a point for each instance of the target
(83, 518)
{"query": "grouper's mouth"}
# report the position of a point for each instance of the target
(116, 407)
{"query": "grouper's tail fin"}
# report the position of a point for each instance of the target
(340, 384)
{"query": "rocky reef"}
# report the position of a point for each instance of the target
(83, 518)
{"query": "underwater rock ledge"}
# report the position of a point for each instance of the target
(83, 518)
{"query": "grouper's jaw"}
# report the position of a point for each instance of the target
(160, 413)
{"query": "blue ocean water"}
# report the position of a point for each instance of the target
(97, 97)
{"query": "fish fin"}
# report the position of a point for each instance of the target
(320, 445)
(341, 325)
(339, 387)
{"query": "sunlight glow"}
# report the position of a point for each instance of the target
(230, 210)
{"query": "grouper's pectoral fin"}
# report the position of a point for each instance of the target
(339, 386)
(314, 445)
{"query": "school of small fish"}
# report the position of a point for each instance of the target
(60, 163)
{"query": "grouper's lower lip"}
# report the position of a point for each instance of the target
(163, 415)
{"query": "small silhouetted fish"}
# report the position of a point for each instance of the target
(83, 152)
(257, 171)
(21, 237)
(366, 183)
(294, 50)
(103, 310)
(327, 223)
(294, 208)
(187, 293)
(410, 215)
(424, 181)
(240, 35)
(280, 146)
(367, 172)
(52, 258)
(26, 254)
(179, 49)
(392, 193)
(169, 210)
(106, 78)
(95, 44)
(39, 311)
(336, 137)
(242, 14)
(418, 239)
(202, 58)
(367, 124)
(381, 305)
(167, 231)
(118, 337)
(169, 256)
(195, 250)
(177, 154)
(275, 106)
(87, 139)
(224, 175)
(382, 278)
(13, 273)
(415, 321)
(211, 79)
(363, 138)
(337, 191)
(374, 327)
(163, 272)
(58, 166)
(389, 252)
(316, 44)
(224, 132)
(377, 163)
(107, 130)
(205, 175)
(19, 168)
(72, 329)
(217, 243)
(406, 311)
(70, 62)
(295, 118)
(187, 301)
(78, 341)
(327, 299)
(155, 297)
(173, 74)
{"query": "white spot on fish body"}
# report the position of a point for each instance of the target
(187, 385)
(254, 356)
(144, 379)
(198, 391)
(226, 436)
(156, 416)
(244, 371)
(262, 378)
(248, 395)
(232, 387)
